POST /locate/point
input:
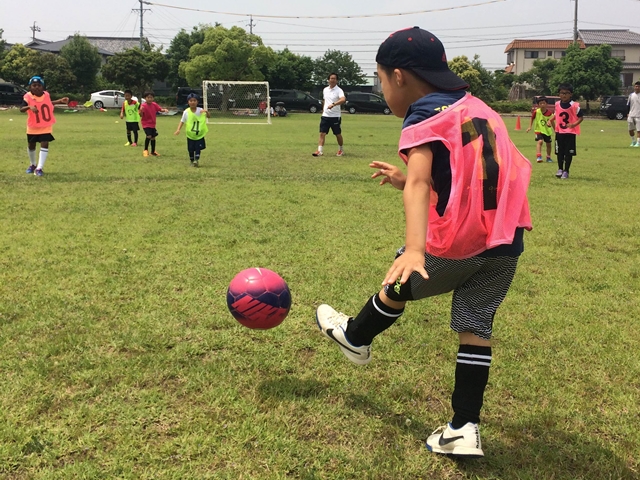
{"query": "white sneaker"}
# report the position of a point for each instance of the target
(334, 325)
(464, 442)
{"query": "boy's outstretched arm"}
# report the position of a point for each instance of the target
(416, 197)
(391, 173)
(61, 101)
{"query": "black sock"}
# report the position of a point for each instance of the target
(567, 162)
(146, 143)
(374, 318)
(135, 136)
(192, 156)
(129, 136)
(560, 162)
(472, 375)
(153, 146)
(198, 155)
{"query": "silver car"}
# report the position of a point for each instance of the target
(108, 99)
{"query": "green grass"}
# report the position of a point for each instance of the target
(118, 358)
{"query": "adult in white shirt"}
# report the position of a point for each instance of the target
(332, 98)
(634, 115)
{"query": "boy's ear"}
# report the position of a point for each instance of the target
(400, 77)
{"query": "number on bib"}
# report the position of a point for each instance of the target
(471, 132)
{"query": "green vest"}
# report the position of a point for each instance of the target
(541, 123)
(196, 126)
(131, 112)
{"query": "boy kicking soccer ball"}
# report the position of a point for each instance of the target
(40, 119)
(466, 208)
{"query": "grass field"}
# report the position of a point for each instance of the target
(119, 359)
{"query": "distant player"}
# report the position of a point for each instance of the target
(131, 110)
(195, 118)
(634, 115)
(40, 119)
(543, 131)
(148, 113)
(466, 209)
(566, 121)
(331, 118)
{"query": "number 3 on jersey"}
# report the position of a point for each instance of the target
(472, 130)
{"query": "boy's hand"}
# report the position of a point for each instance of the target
(121, 116)
(528, 129)
(407, 263)
(64, 100)
(392, 174)
(177, 132)
(33, 108)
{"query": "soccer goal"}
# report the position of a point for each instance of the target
(237, 102)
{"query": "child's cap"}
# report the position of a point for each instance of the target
(193, 95)
(422, 53)
(36, 79)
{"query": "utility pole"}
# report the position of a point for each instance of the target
(141, 13)
(251, 24)
(575, 23)
(34, 29)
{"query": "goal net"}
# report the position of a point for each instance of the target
(236, 102)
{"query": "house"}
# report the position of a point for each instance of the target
(625, 45)
(522, 53)
(107, 46)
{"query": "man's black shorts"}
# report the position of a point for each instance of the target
(150, 132)
(332, 123)
(42, 137)
(566, 144)
(196, 145)
(542, 136)
(133, 127)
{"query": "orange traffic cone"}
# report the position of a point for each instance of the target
(518, 123)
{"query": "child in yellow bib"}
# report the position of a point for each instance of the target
(195, 118)
(131, 112)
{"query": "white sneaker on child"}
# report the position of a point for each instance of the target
(463, 442)
(333, 325)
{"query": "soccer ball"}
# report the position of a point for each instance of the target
(258, 298)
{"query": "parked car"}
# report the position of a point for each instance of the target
(366, 102)
(108, 99)
(295, 100)
(11, 94)
(614, 106)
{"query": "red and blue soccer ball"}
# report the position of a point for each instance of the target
(259, 298)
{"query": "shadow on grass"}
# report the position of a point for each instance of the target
(293, 388)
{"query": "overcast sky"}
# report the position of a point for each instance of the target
(466, 27)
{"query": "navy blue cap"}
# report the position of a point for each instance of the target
(36, 78)
(422, 53)
(193, 95)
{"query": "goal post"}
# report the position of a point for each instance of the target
(237, 102)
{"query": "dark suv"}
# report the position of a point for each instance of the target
(614, 106)
(366, 102)
(294, 100)
(11, 94)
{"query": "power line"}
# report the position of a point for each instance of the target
(324, 17)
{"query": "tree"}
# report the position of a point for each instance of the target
(84, 60)
(288, 70)
(592, 72)
(178, 51)
(226, 54)
(349, 72)
(3, 45)
(56, 71)
(539, 76)
(19, 64)
(465, 70)
(136, 69)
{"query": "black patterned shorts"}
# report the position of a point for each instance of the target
(479, 286)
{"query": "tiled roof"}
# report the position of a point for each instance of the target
(611, 37)
(541, 44)
(106, 45)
